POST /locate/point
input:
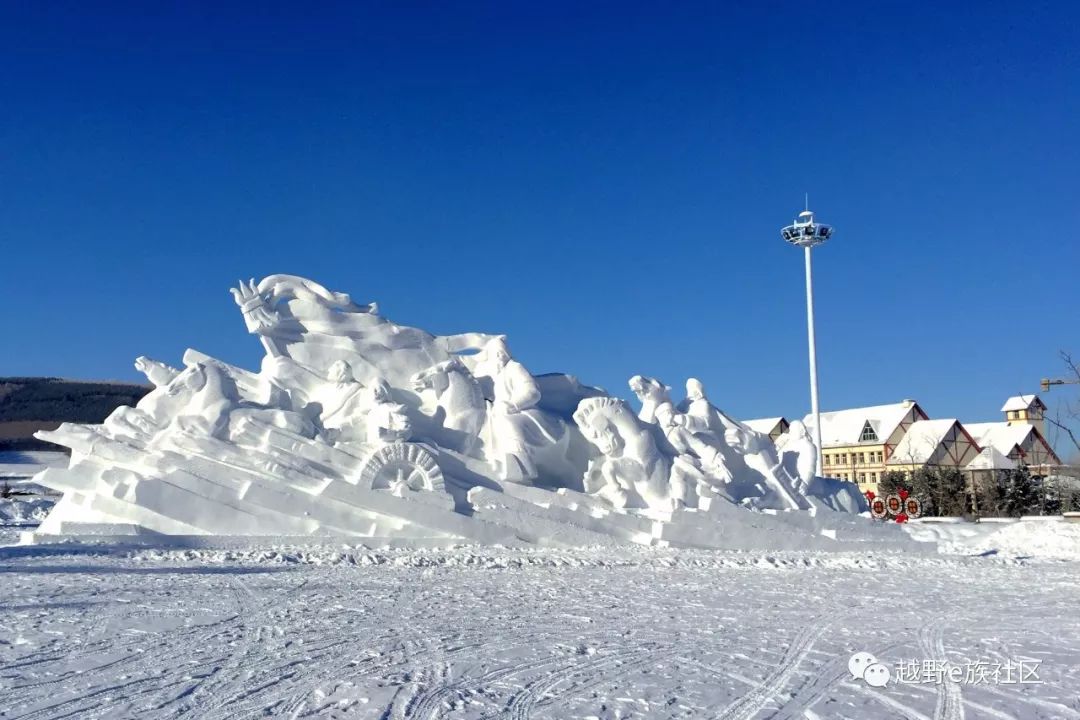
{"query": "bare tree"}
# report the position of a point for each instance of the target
(1071, 407)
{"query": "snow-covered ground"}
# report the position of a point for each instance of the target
(18, 467)
(499, 633)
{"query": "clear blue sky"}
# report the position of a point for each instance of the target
(604, 182)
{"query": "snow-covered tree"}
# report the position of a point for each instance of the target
(1021, 493)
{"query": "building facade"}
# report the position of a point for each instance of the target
(860, 445)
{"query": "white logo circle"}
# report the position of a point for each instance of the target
(859, 662)
(876, 675)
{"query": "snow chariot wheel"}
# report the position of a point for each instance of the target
(402, 467)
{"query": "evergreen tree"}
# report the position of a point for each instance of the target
(992, 493)
(1050, 500)
(892, 482)
(952, 488)
(924, 488)
(1021, 493)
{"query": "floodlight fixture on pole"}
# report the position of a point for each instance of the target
(806, 233)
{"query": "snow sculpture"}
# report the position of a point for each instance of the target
(631, 470)
(357, 426)
(797, 452)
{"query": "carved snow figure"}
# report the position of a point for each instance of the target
(512, 391)
(454, 402)
(652, 394)
(340, 404)
(631, 472)
(357, 426)
(158, 373)
(702, 416)
(386, 420)
(741, 446)
(798, 454)
(677, 430)
(759, 454)
(197, 401)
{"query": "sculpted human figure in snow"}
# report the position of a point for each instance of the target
(701, 415)
(512, 390)
(798, 454)
(677, 428)
(340, 402)
(386, 420)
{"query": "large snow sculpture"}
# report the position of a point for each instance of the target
(357, 426)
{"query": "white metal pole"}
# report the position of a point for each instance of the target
(813, 359)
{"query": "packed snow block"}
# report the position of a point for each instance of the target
(580, 510)
(233, 517)
(836, 495)
(727, 527)
(846, 528)
(421, 513)
(110, 529)
(111, 507)
(333, 516)
(217, 461)
(77, 479)
(533, 523)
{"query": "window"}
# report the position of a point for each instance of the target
(862, 477)
(1012, 414)
(868, 434)
(862, 458)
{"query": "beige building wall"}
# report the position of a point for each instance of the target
(864, 463)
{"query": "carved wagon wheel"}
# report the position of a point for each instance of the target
(401, 467)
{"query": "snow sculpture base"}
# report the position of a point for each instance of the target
(356, 427)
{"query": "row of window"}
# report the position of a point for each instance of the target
(860, 458)
(862, 477)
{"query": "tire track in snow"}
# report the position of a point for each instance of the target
(429, 705)
(170, 647)
(589, 672)
(950, 701)
(810, 692)
(752, 702)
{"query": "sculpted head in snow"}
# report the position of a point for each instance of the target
(156, 372)
(652, 393)
(599, 420)
(695, 390)
(340, 372)
(496, 351)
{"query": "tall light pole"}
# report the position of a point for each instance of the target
(806, 233)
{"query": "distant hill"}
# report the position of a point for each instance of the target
(28, 404)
